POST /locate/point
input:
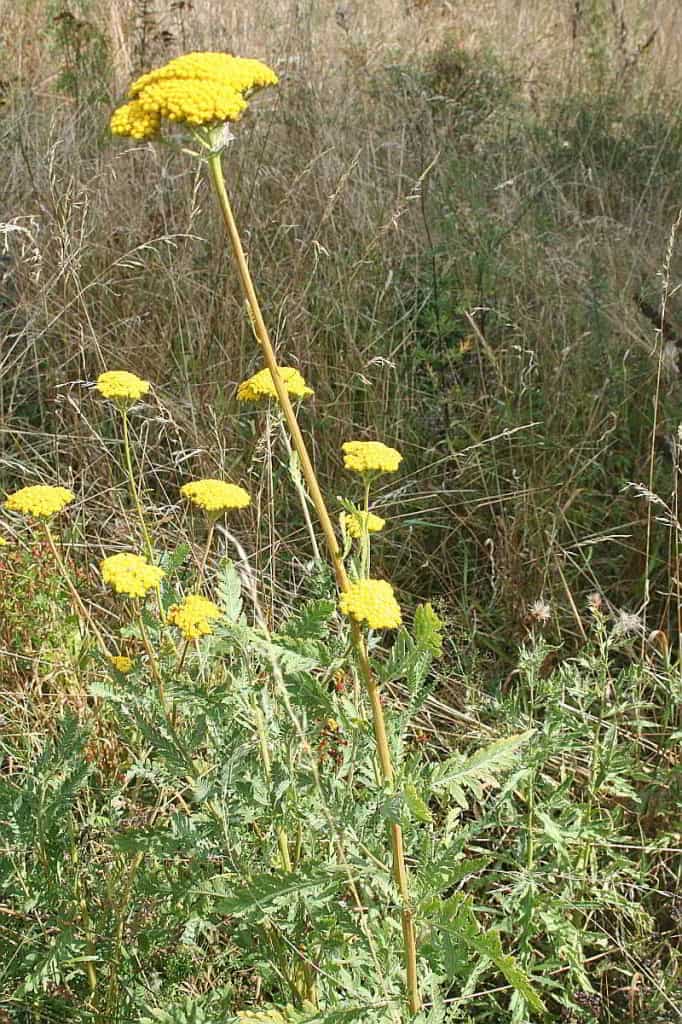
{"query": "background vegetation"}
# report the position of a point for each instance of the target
(462, 219)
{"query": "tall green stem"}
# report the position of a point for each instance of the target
(261, 331)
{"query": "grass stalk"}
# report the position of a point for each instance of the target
(82, 611)
(301, 492)
(133, 483)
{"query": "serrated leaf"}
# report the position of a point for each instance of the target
(488, 944)
(286, 661)
(98, 688)
(436, 878)
(228, 591)
(456, 918)
(172, 560)
(428, 630)
(481, 770)
(312, 621)
(405, 661)
(418, 808)
(339, 1015)
(266, 892)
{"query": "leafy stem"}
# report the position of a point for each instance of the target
(261, 331)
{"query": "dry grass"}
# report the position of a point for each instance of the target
(448, 214)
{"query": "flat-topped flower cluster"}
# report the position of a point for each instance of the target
(196, 89)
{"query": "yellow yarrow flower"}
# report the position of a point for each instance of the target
(239, 73)
(373, 602)
(130, 574)
(261, 385)
(39, 501)
(134, 121)
(3, 542)
(193, 616)
(121, 663)
(370, 457)
(215, 496)
(192, 101)
(196, 89)
(121, 385)
(356, 524)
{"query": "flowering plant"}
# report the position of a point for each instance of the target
(271, 801)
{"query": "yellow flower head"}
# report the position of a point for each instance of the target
(196, 89)
(121, 386)
(215, 496)
(370, 457)
(3, 542)
(373, 602)
(134, 121)
(39, 501)
(130, 574)
(194, 101)
(241, 74)
(261, 385)
(356, 523)
(121, 663)
(193, 617)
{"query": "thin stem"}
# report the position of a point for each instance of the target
(80, 607)
(261, 331)
(204, 560)
(183, 655)
(303, 497)
(366, 565)
(152, 659)
(272, 562)
(282, 839)
(133, 483)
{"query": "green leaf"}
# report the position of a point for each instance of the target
(340, 1015)
(172, 560)
(266, 892)
(479, 771)
(228, 591)
(311, 622)
(418, 808)
(456, 918)
(406, 661)
(283, 659)
(428, 630)
(438, 876)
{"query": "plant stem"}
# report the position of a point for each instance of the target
(204, 560)
(261, 331)
(80, 607)
(152, 660)
(282, 839)
(366, 565)
(183, 655)
(300, 490)
(133, 483)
